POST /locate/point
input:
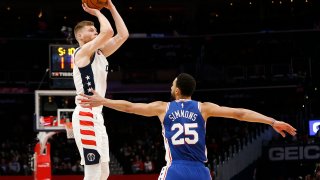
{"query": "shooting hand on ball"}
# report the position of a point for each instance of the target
(89, 10)
(109, 4)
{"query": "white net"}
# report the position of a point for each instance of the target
(69, 130)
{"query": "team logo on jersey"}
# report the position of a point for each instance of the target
(91, 157)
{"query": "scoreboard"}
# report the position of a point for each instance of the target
(60, 60)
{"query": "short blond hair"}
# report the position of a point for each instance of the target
(80, 25)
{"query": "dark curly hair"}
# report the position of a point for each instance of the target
(186, 83)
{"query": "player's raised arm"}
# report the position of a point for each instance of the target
(156, 108)
(214, 110)
(106, 31)
(122, 32)
(88, 37)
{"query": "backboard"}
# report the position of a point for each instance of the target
(53, 108)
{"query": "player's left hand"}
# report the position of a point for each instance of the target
(109, 4)
(282, 127)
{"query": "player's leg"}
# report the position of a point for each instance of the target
(105, 172)
(103, 145)
(76, 133)
(92, 171)
(186, 171)
(163, 173)
(86, 140)
(174, 173)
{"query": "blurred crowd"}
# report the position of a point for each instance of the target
(14, 158)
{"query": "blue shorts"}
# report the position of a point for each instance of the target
(185, 170)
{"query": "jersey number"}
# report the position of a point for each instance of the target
(189, 130)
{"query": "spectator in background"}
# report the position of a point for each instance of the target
(148, 165)
(77, 168)
(3, 167)
(317, 171)
(318, 133)
(137, 165)
(14, 165)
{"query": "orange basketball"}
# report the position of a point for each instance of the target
(96, 4)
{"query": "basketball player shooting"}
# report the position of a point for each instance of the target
(184, 121)
(89, 74)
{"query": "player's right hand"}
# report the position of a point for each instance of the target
(282, 127)
(89, 10)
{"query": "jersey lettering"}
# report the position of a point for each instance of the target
(183, 113)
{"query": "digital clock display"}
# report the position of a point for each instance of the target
(60, 60)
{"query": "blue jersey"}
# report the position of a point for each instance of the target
(184, 132)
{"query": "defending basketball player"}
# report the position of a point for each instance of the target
(183, 121)
(90, 73)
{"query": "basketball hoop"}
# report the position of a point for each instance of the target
(69, 130)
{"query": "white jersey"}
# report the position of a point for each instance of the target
(92, 76)
(88, 123)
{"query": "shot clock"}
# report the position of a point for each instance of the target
(60, 60)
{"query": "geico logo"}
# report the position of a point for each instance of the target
(294, 153)
(315, 127)
(44, 165)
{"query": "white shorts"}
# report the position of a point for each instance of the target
(90, 135)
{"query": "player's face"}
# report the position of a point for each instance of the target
(89, 33)
(173, 89)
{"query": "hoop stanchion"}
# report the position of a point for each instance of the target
(42, 162)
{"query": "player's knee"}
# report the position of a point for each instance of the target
(91, 176)
(105, 172)
(92, 172)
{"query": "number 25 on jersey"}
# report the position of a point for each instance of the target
(189, 131)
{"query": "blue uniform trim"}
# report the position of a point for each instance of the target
(87, 75)
(87, 79)
(193, 163)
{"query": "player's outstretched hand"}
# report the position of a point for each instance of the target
(91, 11)
(282, 127)
(90, 101)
